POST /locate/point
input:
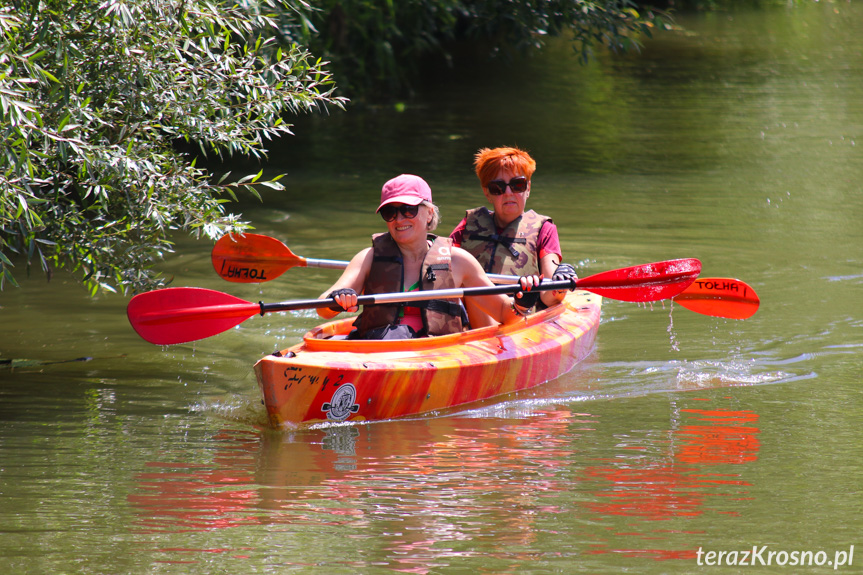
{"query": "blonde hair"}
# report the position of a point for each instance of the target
(435, 214)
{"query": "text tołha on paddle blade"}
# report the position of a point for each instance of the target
(720, 297)
(252, 258)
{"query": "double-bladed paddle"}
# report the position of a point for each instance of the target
(179, 315)
(255, 258)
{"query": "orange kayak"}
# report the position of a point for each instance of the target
(329, 379)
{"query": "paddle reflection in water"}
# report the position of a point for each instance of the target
(187, 497)
(677, 480)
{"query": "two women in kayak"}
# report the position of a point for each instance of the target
(408, 257)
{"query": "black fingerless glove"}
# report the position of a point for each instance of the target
(564, 272)
(526, 301)
(334, 293)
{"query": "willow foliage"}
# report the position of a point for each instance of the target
(93, 96)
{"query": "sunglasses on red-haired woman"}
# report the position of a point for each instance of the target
(518, 185)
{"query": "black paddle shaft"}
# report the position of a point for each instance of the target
(454, 293)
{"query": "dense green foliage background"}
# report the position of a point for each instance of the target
(102, 101)
(374, 46)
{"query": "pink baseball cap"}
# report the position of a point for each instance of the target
(405, 189)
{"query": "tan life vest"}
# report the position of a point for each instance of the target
(440, 317)
(513, 251)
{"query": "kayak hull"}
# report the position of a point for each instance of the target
(328, 379)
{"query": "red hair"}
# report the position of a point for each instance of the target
(489, 162)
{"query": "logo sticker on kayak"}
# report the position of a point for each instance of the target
(342, 405)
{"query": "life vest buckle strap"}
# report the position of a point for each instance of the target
(505, 241)
(430, 275)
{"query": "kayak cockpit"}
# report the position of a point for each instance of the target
(330, 336)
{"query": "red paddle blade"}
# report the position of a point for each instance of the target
(252, 258)
(646, 282)
(720, 297)
(177, 315)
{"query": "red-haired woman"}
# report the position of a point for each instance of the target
(509, 240)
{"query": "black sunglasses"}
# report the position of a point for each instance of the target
(389, 211)
(498, 187)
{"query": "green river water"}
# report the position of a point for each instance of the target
(738, 141)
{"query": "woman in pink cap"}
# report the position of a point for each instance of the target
(407, 257)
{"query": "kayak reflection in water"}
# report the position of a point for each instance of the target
(409, 258)
(510, 240)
